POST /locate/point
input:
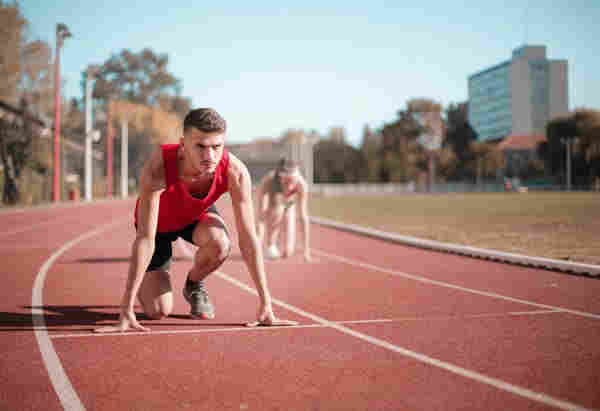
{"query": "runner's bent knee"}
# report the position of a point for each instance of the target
(218, 246)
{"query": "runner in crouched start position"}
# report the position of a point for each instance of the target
(178, 188)
(278, 195)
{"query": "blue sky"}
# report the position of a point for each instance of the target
(272, 65)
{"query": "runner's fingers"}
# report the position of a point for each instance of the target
(108, 329)
(278, 322)
(139, 326)
(272, 323)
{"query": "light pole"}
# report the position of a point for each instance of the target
(124, 157)
(62, 32)
(568, 142)
(109, 147)
(90, 134)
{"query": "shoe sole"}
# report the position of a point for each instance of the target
(202, 316)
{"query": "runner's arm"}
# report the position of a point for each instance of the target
(151, 186)
(240, 189)
(304, 222)
(260, 195)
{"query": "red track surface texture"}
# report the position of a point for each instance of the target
(382, 327)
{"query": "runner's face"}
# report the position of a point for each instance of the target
(203, 150)
(289, 178)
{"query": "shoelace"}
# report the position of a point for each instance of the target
(200, 291)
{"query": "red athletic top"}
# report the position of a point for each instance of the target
(178, 208)
(292, 192)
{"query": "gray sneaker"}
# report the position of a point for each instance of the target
(200, 305)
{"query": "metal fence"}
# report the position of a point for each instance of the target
(439, 188)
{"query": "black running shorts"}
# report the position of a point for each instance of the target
(163, 244)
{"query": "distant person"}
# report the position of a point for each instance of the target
(280, 194)
(178, 188)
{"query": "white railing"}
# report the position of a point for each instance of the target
(362, 188)
(403, 188)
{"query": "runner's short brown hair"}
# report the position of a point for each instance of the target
(286, 165)
(205, 119)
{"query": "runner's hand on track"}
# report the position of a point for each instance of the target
(127, 321)
(266, 318)
(307, 257)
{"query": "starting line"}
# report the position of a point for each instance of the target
(251, 329)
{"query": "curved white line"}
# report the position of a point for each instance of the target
(61, 383)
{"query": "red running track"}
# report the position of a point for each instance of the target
(382, 327)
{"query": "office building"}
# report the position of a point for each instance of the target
(518, 96)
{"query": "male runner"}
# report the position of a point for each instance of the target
(178, 188)
(277, 196)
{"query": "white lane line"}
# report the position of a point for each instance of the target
(229, 329)
(449, 317)
(535, 312)
(61, 383)
(189, 331)
(425, 280)
(503, 385)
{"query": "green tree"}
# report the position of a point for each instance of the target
(582, 127)
(21, 65)
(487, 160)
(553, 151)
(448, 162)
(588, 125)
(141, 78)
(369, 149)
(337, 162)
(401, 156)
(16, 136)
(12, 24)
(459, 136)
(37, 77)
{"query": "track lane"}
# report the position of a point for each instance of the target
(289, 280)
(536, 285)
(22, 369)
(548, 354)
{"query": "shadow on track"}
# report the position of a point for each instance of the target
(107, 260)
(104, 260)
(58, 316)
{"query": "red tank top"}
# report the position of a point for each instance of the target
(178, 208)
